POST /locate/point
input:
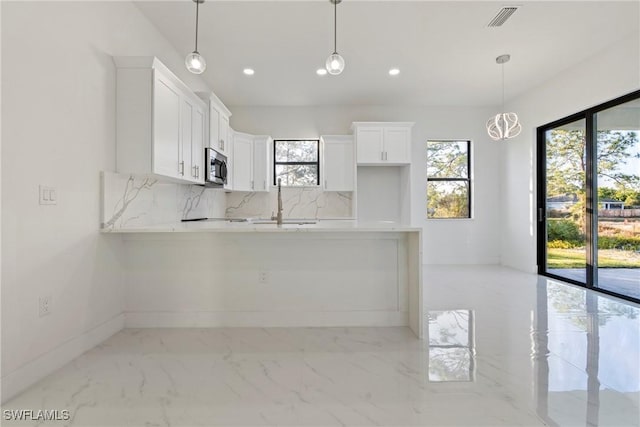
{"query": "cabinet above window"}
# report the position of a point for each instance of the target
(383, 143)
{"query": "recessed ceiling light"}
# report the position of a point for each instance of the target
(249, 71)
(394, 72)
(321, 71)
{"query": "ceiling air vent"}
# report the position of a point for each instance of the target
(502, 16)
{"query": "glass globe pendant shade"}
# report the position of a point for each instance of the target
(335, 63)
(504, 126)
(195, 63)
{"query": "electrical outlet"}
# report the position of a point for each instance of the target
(44, 306)
(263, 277)
(48, 195)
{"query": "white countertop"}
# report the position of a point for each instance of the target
(218, 226)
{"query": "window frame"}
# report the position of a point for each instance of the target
(468, 179)
(276, 163)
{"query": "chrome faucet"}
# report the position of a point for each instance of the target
(278, 216)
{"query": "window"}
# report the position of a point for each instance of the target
(297, 162)
(448, 179)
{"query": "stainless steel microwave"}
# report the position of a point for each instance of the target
(215, 168)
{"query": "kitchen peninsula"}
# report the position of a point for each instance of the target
(349, 263)
(228, 273)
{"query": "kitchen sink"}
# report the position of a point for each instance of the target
(285, 221)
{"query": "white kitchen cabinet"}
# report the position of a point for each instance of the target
(198, 123)
(250, 162)
(261, 166)
(229, 184)
(338, 165)
(223, 133)
(160, 122)
(219, 131)
(383, 143)
(242, 161)
(166, 132)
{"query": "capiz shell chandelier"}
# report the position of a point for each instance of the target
(503, 125)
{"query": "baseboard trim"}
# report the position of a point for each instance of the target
(272, 319)
(33, 371)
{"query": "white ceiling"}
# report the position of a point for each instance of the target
(444, 49)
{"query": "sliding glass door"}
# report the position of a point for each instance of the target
(618, 211)
(565, 156)
(589, 198)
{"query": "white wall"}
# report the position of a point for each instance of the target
(445, 241)
(607, 75)
(1, 395)
(58, 102)
(378, 195)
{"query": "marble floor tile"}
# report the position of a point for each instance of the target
(505, 348)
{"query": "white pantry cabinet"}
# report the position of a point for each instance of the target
(250, 162)
(219, 136)
(383, 143)
(338, 165)
(160, 122)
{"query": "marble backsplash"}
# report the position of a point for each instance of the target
(302, 202)
(137, 201)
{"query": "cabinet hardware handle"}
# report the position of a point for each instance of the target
(252, 185)
(222, 144)
(197, 171)
(181, 168)
(325, 184)
(382, 155)
(264, 185)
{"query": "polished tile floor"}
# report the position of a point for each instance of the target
(505, 348)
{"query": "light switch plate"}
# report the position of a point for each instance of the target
(48, 195)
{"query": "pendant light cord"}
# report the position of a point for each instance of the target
(197, 10)
(335, 26)
(503, 87)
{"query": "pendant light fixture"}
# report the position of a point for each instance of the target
(503, 125)
(194, 61)
(335, 62)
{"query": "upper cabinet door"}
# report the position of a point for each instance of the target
(166, 129)
(242, 162)
(383, 143)
(369, 144)
(229, 185)
(260, 181)
(223, 133)
(219, 131)
(214, 129)
(187, 170)
(198, 121)
(339, 166)
(397, 145)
